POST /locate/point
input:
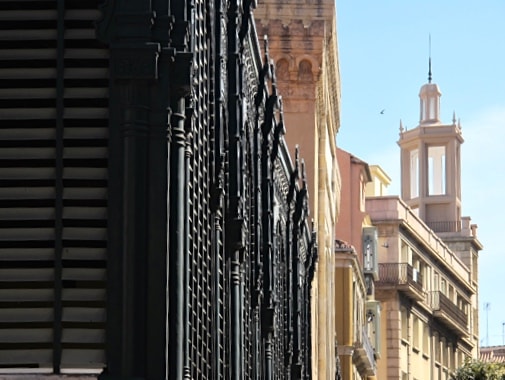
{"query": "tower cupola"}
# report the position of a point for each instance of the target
(430, 102)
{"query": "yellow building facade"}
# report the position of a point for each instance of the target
(357, 311)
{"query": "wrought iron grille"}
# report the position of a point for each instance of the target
(251, 253)
(204, 293)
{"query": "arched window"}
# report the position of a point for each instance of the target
(305, 71)
(282, 69)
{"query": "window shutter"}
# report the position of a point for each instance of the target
(53, 187)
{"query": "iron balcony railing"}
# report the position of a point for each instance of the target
(400, 274)
(365, 354)
(445, 226)
(446, 308)
(367, 346)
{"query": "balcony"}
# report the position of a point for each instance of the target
(447, 226)
(364, 356)
(448, 313)
(403, 277)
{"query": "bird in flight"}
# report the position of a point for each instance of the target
(382, 112)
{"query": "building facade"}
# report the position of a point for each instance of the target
(153, 224)
(428, 255)
(358, 313)
(303, 46)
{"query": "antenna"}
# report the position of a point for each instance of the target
(429, 60)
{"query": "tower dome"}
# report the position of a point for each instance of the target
(430, 103)
(430, 100)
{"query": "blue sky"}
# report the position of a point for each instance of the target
(383, 52)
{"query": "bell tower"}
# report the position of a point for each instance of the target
(431, 164)
(431, 185)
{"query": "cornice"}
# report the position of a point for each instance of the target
(306, 10)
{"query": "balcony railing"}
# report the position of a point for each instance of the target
(367, 346)
(365, 355)
(445, 226)
(446, 310)
(402, 275)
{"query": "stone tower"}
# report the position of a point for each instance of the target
(431, 165)
(431, 187)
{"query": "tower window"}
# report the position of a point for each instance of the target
(436, 170)
(414, 173)
(305, 71)
(282, 69)
(432, 115)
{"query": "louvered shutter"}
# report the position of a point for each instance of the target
(53, 186)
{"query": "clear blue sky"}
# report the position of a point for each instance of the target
(383, 52)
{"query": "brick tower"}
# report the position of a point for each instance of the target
(303, 45)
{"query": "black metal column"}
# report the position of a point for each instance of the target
(235, 228)
(293, 267)
(269, 305)
(180, 88)
(159, 136)
(137, 178)
(177, 240)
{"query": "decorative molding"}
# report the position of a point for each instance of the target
(345, 350)
(136, 62)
